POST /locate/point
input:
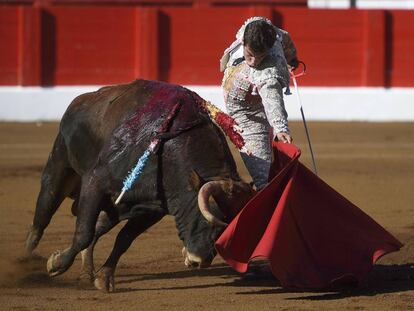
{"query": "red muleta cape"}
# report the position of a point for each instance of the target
(311, 235)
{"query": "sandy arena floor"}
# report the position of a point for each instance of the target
(372, 164)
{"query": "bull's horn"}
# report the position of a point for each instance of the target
(208, 189)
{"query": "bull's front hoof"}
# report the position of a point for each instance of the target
(104, 280)
(32, 240)
(56, 263)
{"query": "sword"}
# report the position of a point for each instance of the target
(295, 84)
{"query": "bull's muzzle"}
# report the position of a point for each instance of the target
(194, 261)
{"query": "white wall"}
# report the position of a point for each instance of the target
(385, 4)
(362, 4)
(329, 4)
(324, 104)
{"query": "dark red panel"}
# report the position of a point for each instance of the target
(147, 55)
(8, 45)
(374, 57)
(30, 46)
(402, 48)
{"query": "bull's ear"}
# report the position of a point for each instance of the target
(195, 181)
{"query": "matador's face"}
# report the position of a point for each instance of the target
(253, 59)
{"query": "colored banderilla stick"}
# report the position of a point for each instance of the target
(139, 167)
(226, 123)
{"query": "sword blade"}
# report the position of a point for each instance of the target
(305, 124)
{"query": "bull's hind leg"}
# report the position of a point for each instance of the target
(133, 228)
(90, 199)
(106, 221)
(58, 181)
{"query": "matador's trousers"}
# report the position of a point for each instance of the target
(247, 109)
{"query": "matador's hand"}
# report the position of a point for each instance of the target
(284, 137)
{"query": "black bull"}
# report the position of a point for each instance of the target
(101, 136)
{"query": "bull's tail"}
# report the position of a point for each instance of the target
(58, 181)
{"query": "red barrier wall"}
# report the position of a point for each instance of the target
(91, 45)
(88, 44)
(401, 48)
(9, 35)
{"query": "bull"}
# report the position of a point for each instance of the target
(101, 135)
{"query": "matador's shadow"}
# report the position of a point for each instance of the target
(382, 279)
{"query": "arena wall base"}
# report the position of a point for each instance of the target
(26, 104)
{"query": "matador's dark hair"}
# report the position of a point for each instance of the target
(259, 36)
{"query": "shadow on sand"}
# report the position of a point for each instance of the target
(30, 272)
(228, 276)
(383, 279)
